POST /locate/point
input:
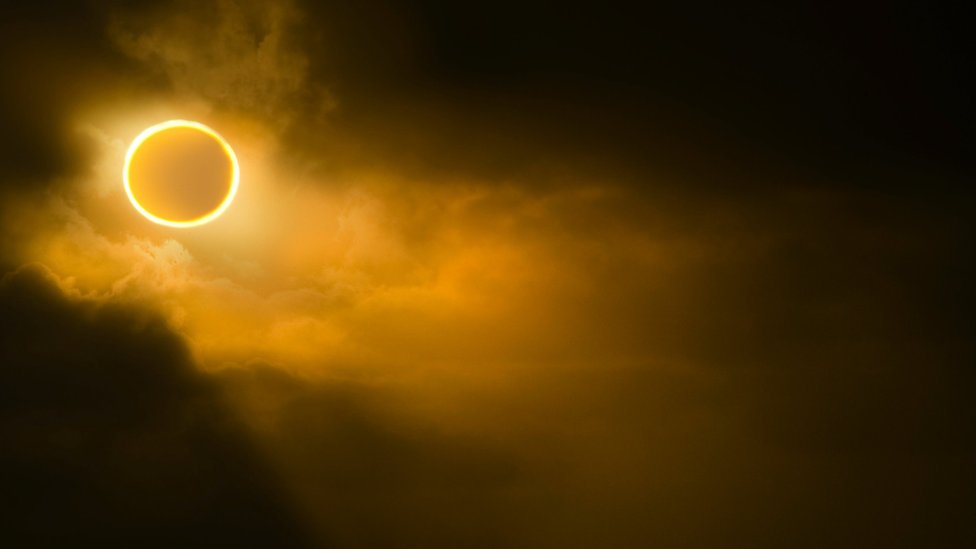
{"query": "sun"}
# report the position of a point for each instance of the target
(180, 173)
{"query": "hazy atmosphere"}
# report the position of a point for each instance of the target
(496, 275)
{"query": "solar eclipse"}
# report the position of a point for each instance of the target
(180, 173)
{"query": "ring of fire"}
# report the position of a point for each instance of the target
(180, 173)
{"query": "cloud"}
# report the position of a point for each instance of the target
(111, 436)
(454, 313)
(55, 64)
(241, 56)
(356, 462)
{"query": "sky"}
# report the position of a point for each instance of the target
(507, 274)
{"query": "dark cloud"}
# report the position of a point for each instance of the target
(55, 60)
(714, 96)
(373, 477)
(110, 436)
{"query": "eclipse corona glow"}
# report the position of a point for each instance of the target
(180, 173)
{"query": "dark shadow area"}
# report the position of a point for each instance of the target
(110, 437)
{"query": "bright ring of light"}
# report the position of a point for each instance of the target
(206, 218)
